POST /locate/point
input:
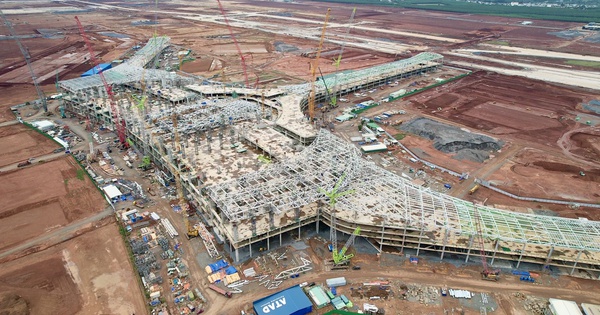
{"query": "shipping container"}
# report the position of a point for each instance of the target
(336, 282)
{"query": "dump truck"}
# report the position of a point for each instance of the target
(220, 291)
(23, 164)
(474, 189)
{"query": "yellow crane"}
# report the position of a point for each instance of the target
(314, 67)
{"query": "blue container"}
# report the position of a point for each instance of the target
(333, 291)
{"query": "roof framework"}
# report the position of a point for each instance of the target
(205, 114)
(358, 77)
(128, 72)
(294, 183)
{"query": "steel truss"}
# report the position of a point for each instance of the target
(294, 183)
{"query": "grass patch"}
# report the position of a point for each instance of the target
(498, 42)
(583, 63)
(399, 136)
(80, 174)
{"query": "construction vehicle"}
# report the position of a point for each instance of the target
(220, 291)
(314, 67)
(486, 273)
(341, 258)
(474, 189)
(24, 163)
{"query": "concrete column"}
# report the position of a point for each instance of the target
(521, 255)
(548, 259)
(576, 261)
(318, 217)
(470, 246)
(237, 255)
(420, 237)
(235, 232)
(268, 243)
(495, 251)
(445, 242)
(250, 247)
(280, 238)
(403, 237)
(382, 234)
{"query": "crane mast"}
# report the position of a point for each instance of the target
(314, 67)
(27, 57)
(487, 273)
(119, 124)
(237, 45)
(338, 60)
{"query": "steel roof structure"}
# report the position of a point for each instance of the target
(295, 182)
(127, 72)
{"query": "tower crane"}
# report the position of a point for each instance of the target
(486, 273)
(27, 57)
(314, 67)
(338, 60)
(118, 122)
(237, 45)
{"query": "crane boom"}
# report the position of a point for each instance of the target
(314, 67)
(486, 274)
(27, 57)
(237, 45)
(338, 60)
(119, 124)
(341, 257)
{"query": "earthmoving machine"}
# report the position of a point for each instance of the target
(313, 69)
(27, 57)
(118, 122)
(486, 273)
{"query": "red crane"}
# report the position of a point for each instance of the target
(487, 273)
(237, 46)
(119, 123)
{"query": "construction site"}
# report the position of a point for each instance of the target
(310, 152)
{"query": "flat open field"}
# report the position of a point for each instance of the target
(87, 275)
(535, 173)
(19, 143)
(44, 197)
(512, 107)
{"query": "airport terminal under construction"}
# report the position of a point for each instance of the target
(254, 167)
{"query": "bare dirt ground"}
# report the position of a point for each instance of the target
(19, 143)
(52, 191)
(97, 268)
(509, 293)
(74, 278)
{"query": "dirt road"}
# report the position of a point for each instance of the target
(57, 236)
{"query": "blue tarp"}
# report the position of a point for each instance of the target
(292, 301)
(218, 265)
(230, 270)
(103, 67)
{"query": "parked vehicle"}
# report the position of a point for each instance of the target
(220, 291)
(23, 164)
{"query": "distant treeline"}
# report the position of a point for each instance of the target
(539, 13)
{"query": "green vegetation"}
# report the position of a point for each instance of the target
(498, 42)
(80, 174)
(540, 13)
(399, 136)
(584, 63)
